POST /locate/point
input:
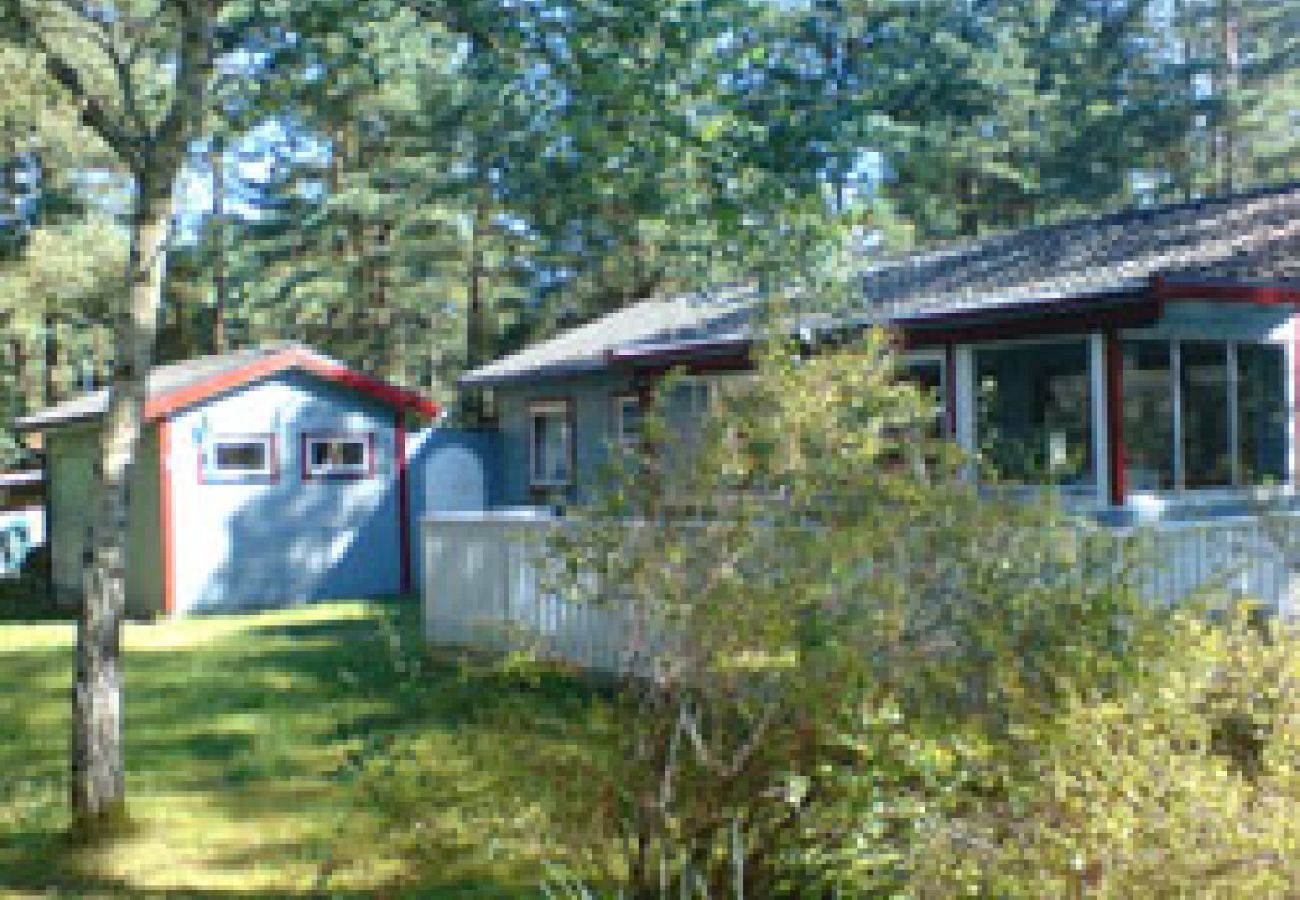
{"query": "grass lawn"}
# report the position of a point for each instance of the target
(317, 750)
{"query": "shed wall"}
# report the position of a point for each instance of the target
(73, 454)
(290, 539)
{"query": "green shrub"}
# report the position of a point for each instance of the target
(838, 644)
(1186, 783)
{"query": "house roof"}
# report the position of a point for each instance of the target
(1249, 238)
(177, 386)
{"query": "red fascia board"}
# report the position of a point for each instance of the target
(1228, 291)
(399, 398)
(1058, 321)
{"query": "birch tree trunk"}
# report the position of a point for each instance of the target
(98, 782)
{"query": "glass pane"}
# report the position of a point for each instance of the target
(246, 456)
(629, 421)
(1032, 412)
(1207, 457)
(1262, 412)
(550, 447)
(691, 399)
(927, 375)
(1148, 415)
(347, 454)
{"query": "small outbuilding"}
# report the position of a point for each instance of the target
(264, 477)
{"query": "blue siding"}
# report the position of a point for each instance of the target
(593, 407)
(290, 540)
(450, 470)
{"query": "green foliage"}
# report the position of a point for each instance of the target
(837, 640)
(1184, 783)
(289, 778)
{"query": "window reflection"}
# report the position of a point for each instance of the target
(1261, 412)
(1149, 415)
(927, 375)
(1033, 415)
(1207, 456)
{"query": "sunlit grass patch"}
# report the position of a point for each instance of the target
(284, 752)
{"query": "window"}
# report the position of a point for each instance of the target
(235, 458)
(1203, 379)
(338, 456)
(928, 376)
(628, 419)
(1033, 413)
(692, 399)
(1261, 412)
(1148, 415)
(1204, 414)
(551, 443)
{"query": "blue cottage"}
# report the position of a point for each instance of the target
(264, 477)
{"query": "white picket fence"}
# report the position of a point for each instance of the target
(484, 587)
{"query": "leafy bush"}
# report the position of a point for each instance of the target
(838, 645)
(1186, 783)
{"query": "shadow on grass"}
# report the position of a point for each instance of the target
(240, 751)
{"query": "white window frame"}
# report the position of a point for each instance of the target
(213, 473)
(364, 469)
(939, 357)
(621, 436)
(562, 408)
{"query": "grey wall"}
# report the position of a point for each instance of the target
(449, 470)
(73, 454)
(70, 454)
(593, 399)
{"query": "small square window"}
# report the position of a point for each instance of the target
(235, 458)
(338, 456)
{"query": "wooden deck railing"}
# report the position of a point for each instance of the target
(484, 585)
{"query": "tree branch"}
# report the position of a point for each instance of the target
(194, 64)
(94, 114)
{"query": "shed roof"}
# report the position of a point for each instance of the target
(179, 385)
(1246, 238)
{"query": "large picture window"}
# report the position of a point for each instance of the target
(1204, 414)
(551, 444)
(1033, 416)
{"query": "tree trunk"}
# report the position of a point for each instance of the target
(98, 784)
(49, 327)
(218, 161)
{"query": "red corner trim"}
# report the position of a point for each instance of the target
(1261, 294)
(391, 394)
(403, 501)
(1115, 418)
(165, 517)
